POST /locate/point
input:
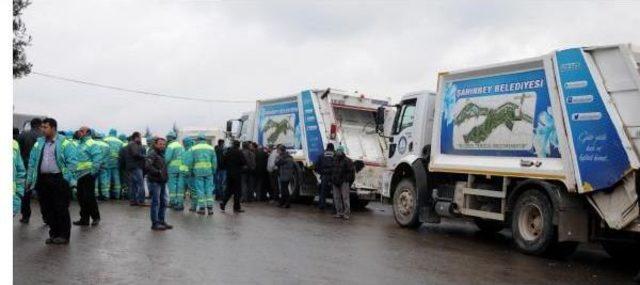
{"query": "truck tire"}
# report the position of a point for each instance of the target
(488, 226)
(622, 251)
(405, 204)
(532, 223)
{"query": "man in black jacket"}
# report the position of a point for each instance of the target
(235, 165)
(342, 176)
(221, 173)
(324, 166)
(262, 176)
(157, 176)
(134, 163)
(26, 140)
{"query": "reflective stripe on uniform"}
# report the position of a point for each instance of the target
(176, 163)
(202, 164)
(174, 145)
(201, 146)
(84, 165)
(16, 146)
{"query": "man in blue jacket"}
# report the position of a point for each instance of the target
(51, 172)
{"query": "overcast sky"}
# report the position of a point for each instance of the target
(252, 50)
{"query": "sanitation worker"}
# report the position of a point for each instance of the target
(186, 171)
(112, 172)
(90, 158)
(175, 183)
(19, 174)
(202, 164)
(102, 180)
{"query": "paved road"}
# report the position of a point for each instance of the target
(268, 245)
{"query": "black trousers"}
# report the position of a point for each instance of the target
(25, 206)
(55, 196)
(273, 186)
(87, 198)
(284, 193)
(234, 186)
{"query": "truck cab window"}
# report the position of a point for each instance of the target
(404, 118)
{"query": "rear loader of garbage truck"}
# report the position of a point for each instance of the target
(307, 121)
(546, 146)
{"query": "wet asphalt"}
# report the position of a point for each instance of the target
(301, 245)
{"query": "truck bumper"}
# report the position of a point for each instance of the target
(366, 194)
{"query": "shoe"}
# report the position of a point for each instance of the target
(158, 227)
(238, 211)
(337, 216)
(81, 223)
(209, 211)
(201, 212)
(346, 217)
(24, 221)
(144, 204)
(221, 207)
(167, 226)
(48, 241)
(95, 222)
(60, 240)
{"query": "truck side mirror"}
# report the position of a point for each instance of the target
(229, 126)
(380, 119)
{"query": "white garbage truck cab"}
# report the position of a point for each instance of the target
(546, 146)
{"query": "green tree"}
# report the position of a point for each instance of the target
(21, 67)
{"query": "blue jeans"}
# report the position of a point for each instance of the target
(136, 188)
(159, 201)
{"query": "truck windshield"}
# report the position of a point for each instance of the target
(404, 118)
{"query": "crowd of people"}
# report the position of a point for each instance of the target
(60, 166)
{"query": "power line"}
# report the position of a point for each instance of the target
(77, 81)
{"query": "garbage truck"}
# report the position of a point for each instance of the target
(546, 147)
(306, 122)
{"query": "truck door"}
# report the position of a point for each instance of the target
(402, 134)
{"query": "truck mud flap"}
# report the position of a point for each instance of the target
(425, 203)
(619, 206)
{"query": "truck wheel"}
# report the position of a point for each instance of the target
(532, 223)
(405, 204)
(623, 251)
(488, 226)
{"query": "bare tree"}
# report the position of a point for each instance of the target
(21, 67)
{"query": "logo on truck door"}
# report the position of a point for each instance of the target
(503, 115)
(402, 145)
